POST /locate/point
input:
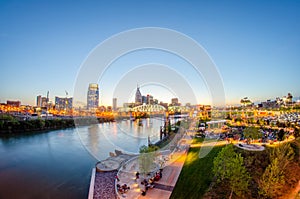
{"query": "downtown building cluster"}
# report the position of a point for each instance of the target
(63, 106)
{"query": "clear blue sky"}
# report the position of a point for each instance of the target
(255, 44)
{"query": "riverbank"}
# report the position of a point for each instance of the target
(104, 174)
(10, 125)
(126, 166)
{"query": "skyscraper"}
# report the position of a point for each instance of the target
(144, 99)
(149, 99)
(114, 104)
(93, 96)
(39, 101)
(138, 96)
(44, 102)
(63, 103)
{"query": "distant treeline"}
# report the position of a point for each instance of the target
(11, 125)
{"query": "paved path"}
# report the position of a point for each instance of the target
(215, 142)
(166, 184)
(164, 187)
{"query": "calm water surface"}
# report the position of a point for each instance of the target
(58, 164)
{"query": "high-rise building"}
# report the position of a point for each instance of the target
(138, 96)
(150, 99)
(63, 103)
(93, 96)
(144, 99)
(114, 104)
(13, 103)
(44, 102)
(39, 101)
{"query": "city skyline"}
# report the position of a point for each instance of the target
(254, 45)
(93, 100)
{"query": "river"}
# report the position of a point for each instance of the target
(57, 164)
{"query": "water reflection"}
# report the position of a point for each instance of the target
(45, 165)
(127, 136)
(58, 164)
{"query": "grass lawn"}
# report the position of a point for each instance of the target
(196, 174)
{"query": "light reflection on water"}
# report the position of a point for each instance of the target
(127, 136)
(44, 165)
(57, 164)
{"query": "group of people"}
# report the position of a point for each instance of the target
(158, 175)
(147, 183)
(123, 189)
(150, 183)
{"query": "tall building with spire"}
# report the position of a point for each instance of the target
(138, 96)
(93, 96)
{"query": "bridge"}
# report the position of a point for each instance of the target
(146, 108)
(176, 109)
(155, 108)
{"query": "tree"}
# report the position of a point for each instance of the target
(1, 124)
(238, 119)
(274, 176)
(252, 133)
(272, 179)
(228, 117)
(228, 165)
(289, 98)
(39, 123)
(284, 153)
(280, 135)
(146, 158)
(245, 101)
(296, 132)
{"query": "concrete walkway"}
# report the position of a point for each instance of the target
(164, 187)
